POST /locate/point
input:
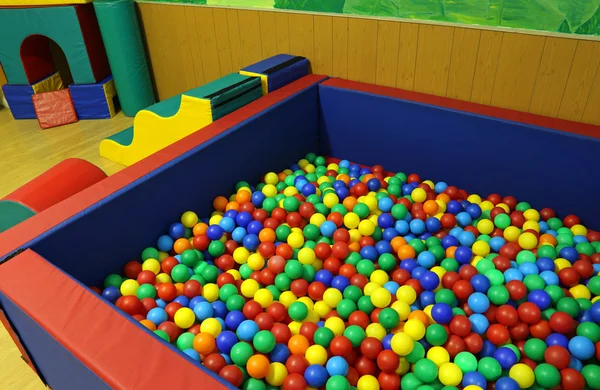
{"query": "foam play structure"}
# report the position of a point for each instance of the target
(172, 119)
(331, 117)
(55, 185)
(32, 30)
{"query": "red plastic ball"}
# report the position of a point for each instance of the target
(585, 268)
(322, 251)
(498, 334)
(571, 379)
(334, 265)
(449, 279)
(296, 364)
(215, 362)
(340, 250)
(281, 332)
(294, 381)
(200, 242)
(540, 329)
(562, 322)
(359, 280)
(371, 347)
(252, 309)
(388, 381)
(171, 309)
(359, 318)
(231, 246)
(299, 287)
(340, 346)
(307, 210)
(455, 345)
(277, 311)
(276, 264)
(232, 374)
(516, 290)
(132, 269)
(467, 271)
(225, 278)
(167, 292)
(473, 342)
(260, 215)
(501, 263)
(267, 277)
(308, 330)
(507, 315)
(557, 356)
(365, 366)
(388, 361)
(571, 220)
(264, 321)
(172, 330)
(192, 288)
(460, 326)
(529, 312)
(519, 332)
(569, 276)
(462, 290)
(448, 221)
(285, 251)
(547, 213)
(146, 277)
(148, 304)
(401, 276)
(130, 304)
(266, 249)
(316, 290)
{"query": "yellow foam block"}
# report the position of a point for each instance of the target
(110, 92)
(153, 132)
(49, 84)
(16, 3)
(264, 80)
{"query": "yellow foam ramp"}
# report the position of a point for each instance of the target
(169, 121)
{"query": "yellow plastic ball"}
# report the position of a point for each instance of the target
(162, 255)
(249, 288)
(438, 355)
(439, 271)
(184, 318)
(303, 162)
(512, 233)
(472, 387)
(486, 205)
(380, 277)
(403, 367)
(317, 264)
(312, 316)
(215, 219)
(485, 226)
(481, 248)
(210, 291)
(264, 297)
(290, 191)
(366, 227)
(321, 309)
(375, 330)
(367, 382)
(316, 354)
(522, 374)
(151, 265)
(531, 225)
(163, 278)
(332, 297)
(381, 298)
(129, 287)
(579, 230)
(308, 302)
(451, 375)
(287, 298)
(474, 198)
(333, 167)
(317, 219)
(418, 195)
(212, 326)
(277, 374)
(355, 235)
(427, 311)
(561, 263)
(528, 241)
(295, 240)
(256, 262)
(336, 325)
(402, 308)
(269, 190)
(331, 200)
(189, 219)
(415, 329)
(310, 168)
(235, 273)
(580, 291)
(306, 256)
(370, 288)
(271, 178)
(402, 344)
(351, 220)
(531, 215)
(429, 183)
(240, 255)
(295, 327)
(504, 207)
(406, 294)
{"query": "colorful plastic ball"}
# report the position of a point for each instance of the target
(402, 344)
(316, 375)
(263, 341)
(367, 382)
(184, 318)
(337, 365)
(415, 329)
(258, 366)
(436, 334)
(506, 357)
(581, 347)
(450, 374)
(507, 383)
(523, 375)
(473, 378)
(337, 382)
(490, 368)
(425, 370)
(442, 313)
(547, 376)
(478, 302)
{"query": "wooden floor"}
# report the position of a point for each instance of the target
(25, 152)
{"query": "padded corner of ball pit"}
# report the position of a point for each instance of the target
(278, 71)
(54, 108)
(172, 119)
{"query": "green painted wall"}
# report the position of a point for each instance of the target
(566, 16)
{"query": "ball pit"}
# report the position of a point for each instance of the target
(336, 276)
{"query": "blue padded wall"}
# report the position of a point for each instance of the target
(58, 366)
(104, 237)
(483, 155)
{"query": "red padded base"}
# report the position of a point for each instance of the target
(54, 108)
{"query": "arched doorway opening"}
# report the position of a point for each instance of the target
(41, 57)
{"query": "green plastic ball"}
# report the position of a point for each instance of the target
(227, 291)
(534, 282)
(353, 293)
(466, 361)
(293, 269)
(399, 211)
(337, 382)
(425, 370)
(235, 302)
(364, 304)
(283, 282)
(189, 257)
(450, 265)
(555, 292)
(591, 374)
(146, 291)
(498, 294)
(534, 349)
(389, 318)
(264, 341)
(590, 330)
(298, 311)
(149, 253)
(241, 352)
(547, 375)
(436, 334)
(185, 341)
(216, 248)
(210, 273)
(254, 384)
(445, 295)
(113, 280)
(387, 262)
(355, 334)
(417, 353)
(180, 273)
(365, 267)
(490, 368)
(569, 305)
(163, 335)
(346, 307)
(502, 221)
(323, 337)
(410, 382)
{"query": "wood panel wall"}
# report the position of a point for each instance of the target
(549, 75)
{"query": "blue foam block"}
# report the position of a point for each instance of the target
(281, 69)
(544, 167)
(58, 366)
(90, 100)
(20, 101)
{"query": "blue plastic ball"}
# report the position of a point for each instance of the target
(233, 319)
(227, 224)
(165, 243)
(581, 347)
(193, 354)
(243, 219)
(506, 383)
(340, 282)
(488, 348)
(324, 276)
(479, 323)
(595, 311)
(449, 241)
(238, 234)
(251, 242)
(374, 184)
(540, 298)
(231, 214)
(433, 225)
(214, 232)
(254, 227)
(417, 226)
(440, 187)
(247, 330)
(480, 283)
(426, 298)
(478, 302)
(385, 204)
(454, 207)
(194, 301)
(383, 247)
(203, 310)
(316, 375)
(157, 315)
(182, 300)
(442, 313)
(385, 220)
(466, 238)
(463, 254)
(557, 339)
(569, 253)
(463, 219)
(430, 280)
(550, 277)
(529, 269)
(258, 198)
(474, 378)
(225, 341)
(309, 189)
(369, 252)
(513, 274)
(496, 243)
(506, 357)
(337, 365)
(409, 265)
(176, 230)
(111, 294)
(426, 259)
(328, 228)
(280, 353)
(220, 309)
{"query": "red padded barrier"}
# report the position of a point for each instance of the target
(475, 108)
(109, 344)
(58, 183)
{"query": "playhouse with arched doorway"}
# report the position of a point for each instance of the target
(41, 86)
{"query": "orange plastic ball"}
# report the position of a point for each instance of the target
(200, 228)
(220, 203)
(181, 245)
(431, 207)
(232, 206)
(243, 196)
(204, 343)
(258, 366)
(267, 235)
(298, 344)
(350, 202)
(397, 242)
(148, 324)
(406, 252)
(419, 315)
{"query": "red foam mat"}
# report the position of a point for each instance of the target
(109, 344)
(475, 108)
(24, 232)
